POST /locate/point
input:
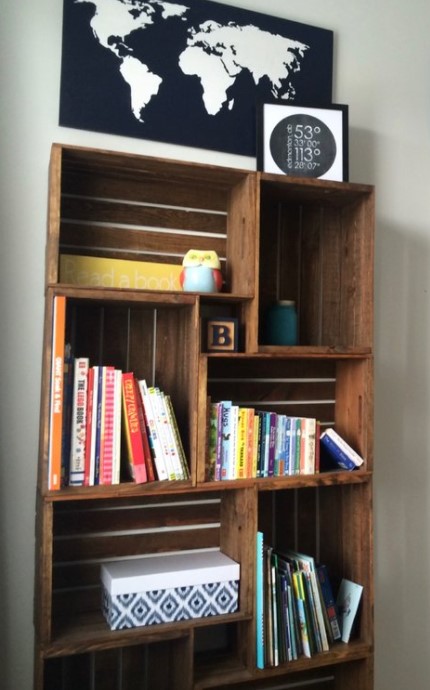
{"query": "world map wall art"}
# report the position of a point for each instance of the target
(191, 73)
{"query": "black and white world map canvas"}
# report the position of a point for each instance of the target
(190, 73)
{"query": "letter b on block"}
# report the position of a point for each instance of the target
(222, 335)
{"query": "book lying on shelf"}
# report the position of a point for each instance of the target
(339, 451)
(97, 271)
(348, 601)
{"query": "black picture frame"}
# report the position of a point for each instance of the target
(303, 140)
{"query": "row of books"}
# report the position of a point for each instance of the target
(99, 415)
(246, 443)
(297, 613)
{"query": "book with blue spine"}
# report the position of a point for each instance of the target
(259, 602)
(336, 453)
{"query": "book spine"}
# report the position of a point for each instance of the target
(259, 603)
(94, 430)
(212, 432)
(67, 414)
(329, 602)
(88, 477)
(293, 442)
(149, 460)
(298, 445)
(241, 444)
(287, 444)
(300, 601)
(280, 446)
(132, 429)
(308, 446)
(177, 438)
(153, 435)
(249, 441)
(167, 411)
(265, 438)
(161, 424)
(56, 393)
(98, 425)
(317, 447)
(108, 426)
(79, 414)
(272, 444)
(116, 463)
(217, 432)
(256, 445)
(226, 439)
(234, 420)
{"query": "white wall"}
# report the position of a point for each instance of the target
(382, 71)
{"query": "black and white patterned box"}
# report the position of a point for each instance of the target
(167, 588)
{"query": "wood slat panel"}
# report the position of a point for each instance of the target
(152, 180)
(134, 545)
(89, 209)
(135, 245)
(81, 522)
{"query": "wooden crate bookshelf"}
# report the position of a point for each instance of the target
(278, 238)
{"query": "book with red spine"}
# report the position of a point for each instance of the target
(132, 429)
(56, 393)
(144, 431)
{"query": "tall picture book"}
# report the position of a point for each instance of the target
(259, 605)
(348, 601)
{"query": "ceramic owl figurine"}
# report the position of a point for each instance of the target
(201, 272)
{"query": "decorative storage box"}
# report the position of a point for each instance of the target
(169, 587)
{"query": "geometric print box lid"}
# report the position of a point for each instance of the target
(168, 571)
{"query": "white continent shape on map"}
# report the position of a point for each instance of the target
(215, 54)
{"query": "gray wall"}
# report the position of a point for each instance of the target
(382, 72)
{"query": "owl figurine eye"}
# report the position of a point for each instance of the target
(201, 271)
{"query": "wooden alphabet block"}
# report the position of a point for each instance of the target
(222, 334)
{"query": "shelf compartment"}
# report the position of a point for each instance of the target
(334, 390)
(316, 248)
(328, 523)
(118, 205)
(135, 335)
(163, 664)
(345, 667)
(88, 533)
